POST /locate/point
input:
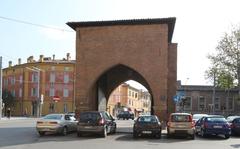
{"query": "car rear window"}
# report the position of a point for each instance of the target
(84, 117)
(216, 119)
(53, 117)
(181, 118)
(147, 119)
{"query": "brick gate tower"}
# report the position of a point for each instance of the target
(109, 53)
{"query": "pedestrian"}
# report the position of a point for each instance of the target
(8, 113)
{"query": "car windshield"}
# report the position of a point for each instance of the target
(89, 117)
(147, 119)
(181, 118)
(198, 116)
(237, 120)
(216, 120)
(53, 117)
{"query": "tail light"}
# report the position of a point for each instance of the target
(169, 124)
(53, 122)
(205, 125)
(101, 121)
(38, 122)
(193, 124)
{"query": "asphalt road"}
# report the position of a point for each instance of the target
(21, 134)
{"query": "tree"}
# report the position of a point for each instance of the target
(8, 99)
(225, 64)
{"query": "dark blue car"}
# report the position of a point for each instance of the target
(213, 125)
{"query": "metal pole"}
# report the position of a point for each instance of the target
(214, 92)
(38, 93)
(0, 87)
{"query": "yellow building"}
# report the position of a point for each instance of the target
(41, 86)
(126, 97)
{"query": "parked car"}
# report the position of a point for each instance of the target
(56, 123)
(125, 115)
(231, 118)
(235, 126)
(96, 122)
(147, 125)
(213, 125)
(196, 117)
(180, 124)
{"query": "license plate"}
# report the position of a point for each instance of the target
(46, 129)
(217, 126)
(87, 127)
(146, 132)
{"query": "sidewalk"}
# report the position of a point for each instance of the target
(13, 118)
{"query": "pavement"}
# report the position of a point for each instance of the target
(13, 118)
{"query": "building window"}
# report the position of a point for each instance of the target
(34, 77)
(201, 103)
(52, 77)
(12, 80)
(21, 79)
(5, 81)
(217, 104)
(66, 68)
(129, 102)
(20, 92)
(13, 93)
(230, 103)
(132, 94)
(34, 92)
(66, 78)
(65, 92)
(51, 108)
(51, 92)
(53, 68)
(187, 104)
(136, 95)
(129, 93)
(65, 109)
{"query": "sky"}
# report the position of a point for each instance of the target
(200, 24)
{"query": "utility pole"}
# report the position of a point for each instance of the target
(214, 92)
(1, 88)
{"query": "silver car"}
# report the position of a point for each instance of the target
(56, 123)
(180, 124)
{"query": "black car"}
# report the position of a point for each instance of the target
(147, 125)
(96, 122)
(125, 115)
(235, 126)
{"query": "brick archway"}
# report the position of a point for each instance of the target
(115, 76)
(110, 52)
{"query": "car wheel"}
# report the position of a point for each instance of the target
(227, 136)
(64, 131)
(202, 133)
(79, 134)
(193, 136)
(104, 132)
(135, 134)
(114, 130)
(159, 135)
(41, 133)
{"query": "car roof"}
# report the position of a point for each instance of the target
(181, 114)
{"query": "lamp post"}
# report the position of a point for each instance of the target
(1, 88)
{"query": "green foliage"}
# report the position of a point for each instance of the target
(225, 63)
(8, 98)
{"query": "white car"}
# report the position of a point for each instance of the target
(56, 123)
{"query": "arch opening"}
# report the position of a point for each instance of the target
(114, 78)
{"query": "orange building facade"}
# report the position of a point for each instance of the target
(126, 97)
(41, 86)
